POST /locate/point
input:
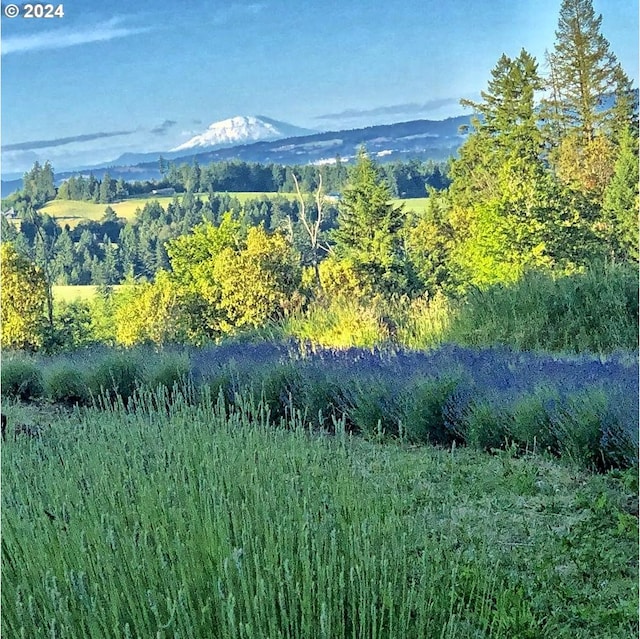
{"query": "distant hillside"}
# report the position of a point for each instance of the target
(420, 139)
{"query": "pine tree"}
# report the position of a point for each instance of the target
(501, 192)
(621, 202)
(585, 71)
(505, 140)
(368, 234)
(590, 102)
(64, 258)
(39, 184)
(106, 192)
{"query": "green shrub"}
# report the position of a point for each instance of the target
(593, 311)
(424, 322)
(484, 426)
(219, 387)
(589, 434)
(618, 447)
(118, 375)
(21, 379)
(319, 398)
(371, 408)
(66, 384)
(168, 371)
(273, 388)
(530, 425)
(422, 410)
(342, 324)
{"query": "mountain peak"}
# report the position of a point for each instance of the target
(241, 129)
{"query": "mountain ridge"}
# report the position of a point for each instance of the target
(413, 139)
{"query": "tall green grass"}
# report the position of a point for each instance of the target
(593, 311)
(193, 522)
(341, 324)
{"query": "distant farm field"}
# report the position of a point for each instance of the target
(417, 204)
(74, 293)
(72, 212)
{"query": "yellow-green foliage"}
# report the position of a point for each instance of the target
(220, 281)
(491, 249)
(339, 278)
(423, 322)
(257, 282)
(23, 296)
(341, 324)
(149, 313)
(73, 293)
(193, 258)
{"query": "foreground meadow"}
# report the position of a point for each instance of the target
(226, 504)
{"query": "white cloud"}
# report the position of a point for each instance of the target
(63, 38)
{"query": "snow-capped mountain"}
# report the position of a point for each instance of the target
(241, 130)
(417, 139)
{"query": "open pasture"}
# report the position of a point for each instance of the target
(72, 212)
(416, 204)
(86, 292)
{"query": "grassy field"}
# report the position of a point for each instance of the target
(72, 212)
(417, 204)
(72, 293)
(78, 292)
(196, 522)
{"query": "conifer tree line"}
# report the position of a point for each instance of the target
(109, 250)
(547, 179)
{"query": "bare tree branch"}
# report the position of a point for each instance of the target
(313, 227)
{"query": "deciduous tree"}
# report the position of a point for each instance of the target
(23, 291)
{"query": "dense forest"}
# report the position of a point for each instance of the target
(547, 180)
(107, 251)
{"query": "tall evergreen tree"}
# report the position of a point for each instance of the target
(106, 192)
(503, 153)
(590, 101)
(621, 201)
(39, 184)
(64, 258)
(501, 192)
(368, 231)
(586, 71)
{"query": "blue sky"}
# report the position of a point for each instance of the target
(147, 75)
